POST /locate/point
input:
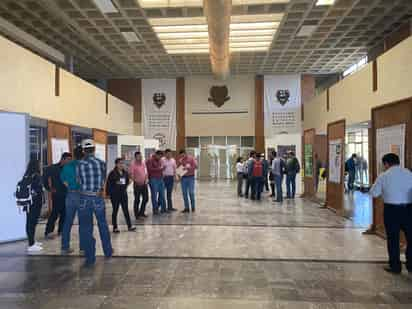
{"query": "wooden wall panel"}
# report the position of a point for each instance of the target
(259, 114)
(385, 116)
(308, 85)
(129, 91)
(100, 136)
(180, 114)
(335, 191)
(308, 182)
(321, 147)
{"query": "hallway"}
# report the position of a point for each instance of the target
(232, 253)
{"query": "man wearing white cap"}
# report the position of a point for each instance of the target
(92, 173)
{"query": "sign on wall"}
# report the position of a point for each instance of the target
(390, 140)
(282, 95)
(308, 160)
(58, 147)
(101, 151)
(159, 111)
(335, 161)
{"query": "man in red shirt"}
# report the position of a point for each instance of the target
(189, 165)
(155, 169)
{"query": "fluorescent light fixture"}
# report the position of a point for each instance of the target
(189, 35)
(106, 6)
(131, 37)
(325, 2)
(199, 3)
(307, 30)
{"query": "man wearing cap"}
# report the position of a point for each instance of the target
(92, 173)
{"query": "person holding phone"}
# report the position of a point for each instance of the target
(189, 164)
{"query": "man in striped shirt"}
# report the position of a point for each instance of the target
(92, 173)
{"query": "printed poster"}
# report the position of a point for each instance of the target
(335, 161)
(101, 151)
(390, 140)
(282, 104)
(159, 111)
(59, 146)
(308, 160)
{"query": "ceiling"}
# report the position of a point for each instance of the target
(343, 34)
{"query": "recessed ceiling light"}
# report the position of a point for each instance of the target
(130, 36)
(325, 2)
(106, 6)
(307, 30)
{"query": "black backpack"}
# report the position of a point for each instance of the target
(24, 194)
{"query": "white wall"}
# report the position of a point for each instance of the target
(242, 99)
(289, 139)
(28, 83)
(14, 138)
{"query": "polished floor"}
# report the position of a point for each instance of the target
(232, 253)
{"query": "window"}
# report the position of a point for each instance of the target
(355, 67)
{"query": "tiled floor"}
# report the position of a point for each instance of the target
(232, 253)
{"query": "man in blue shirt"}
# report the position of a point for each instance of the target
(350, 168)
(70, 180)
(395, 187)
(91, 173)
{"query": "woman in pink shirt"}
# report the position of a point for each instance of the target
(138, 173)
(189, 164)
(169, 174)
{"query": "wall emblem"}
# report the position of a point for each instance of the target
(283, 96)
(161, 138)
(219, 95)
(159, 99)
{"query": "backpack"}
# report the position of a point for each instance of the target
(257, 169)
(24, 194)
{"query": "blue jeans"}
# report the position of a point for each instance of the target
(188, 190)
(291, 185)
(278, 184)
(258, 183)
(157, 190)
(88, 206)
(72, 205)
(169, 182)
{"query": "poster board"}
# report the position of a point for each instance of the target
(335, 161)
(101, 151)
(58, 147)
(308, 157)
(390, 139)
(127, 153)
(283, 150)
(14, 132)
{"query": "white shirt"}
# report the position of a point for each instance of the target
(394, 186)
(239, 167)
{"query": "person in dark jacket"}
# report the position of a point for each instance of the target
(350, 168)
(292, 169)
(116, 188)
(53, 183)
(33, 211)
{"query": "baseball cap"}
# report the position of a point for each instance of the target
(88, 143)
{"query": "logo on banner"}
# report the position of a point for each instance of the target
(219, 95)
(161, 138)
(159, 99)
(283, 96)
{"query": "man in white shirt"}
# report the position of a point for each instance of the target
(169, 174)
(395, 187)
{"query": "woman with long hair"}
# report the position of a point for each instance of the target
(34, 209)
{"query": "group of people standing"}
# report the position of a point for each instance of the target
(80, 186)
(256, 173)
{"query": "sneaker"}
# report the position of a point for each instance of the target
(37, 243)
(116, 230)
(391, 270)
(185, 211)
(67, 251)
(172, 209)
(131, 229)
(193, 209)
(34, 248)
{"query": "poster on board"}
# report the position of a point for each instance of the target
(283, 150)
(390, 139)
(101, 151)
(58, 147)
(127, 153)
(308, 160)
(335, 161)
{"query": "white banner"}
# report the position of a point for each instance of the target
(282, 104)
(100, 152)
(59, 146)
(159, 111)
(335, 161)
